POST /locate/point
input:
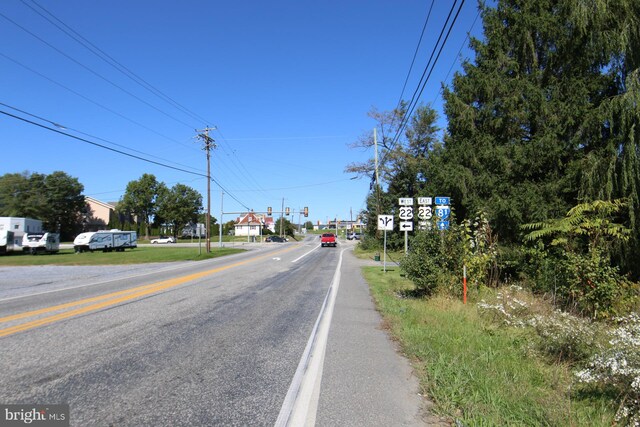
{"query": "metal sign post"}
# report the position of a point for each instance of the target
(385, 222)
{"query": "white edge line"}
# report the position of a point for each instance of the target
(297, 407)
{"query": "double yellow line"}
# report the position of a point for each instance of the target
(96, 303)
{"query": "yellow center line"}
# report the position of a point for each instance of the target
(113, 298)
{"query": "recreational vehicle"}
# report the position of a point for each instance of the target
(105, 240)
(41, 242)
(6, 241)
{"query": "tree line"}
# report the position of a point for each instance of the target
(57, 199)
(540, 154)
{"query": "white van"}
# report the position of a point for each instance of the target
(105, 240)
(41, 242)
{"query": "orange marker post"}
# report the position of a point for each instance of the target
(464, 284)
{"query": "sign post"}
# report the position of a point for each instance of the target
(385, 222)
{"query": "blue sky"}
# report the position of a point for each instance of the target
(288, 85)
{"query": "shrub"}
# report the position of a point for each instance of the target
(428, 264)
(559, 336)
(618, 367)
(436, 259)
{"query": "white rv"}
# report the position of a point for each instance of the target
(41, 242)
(6, 241)
(105, 240)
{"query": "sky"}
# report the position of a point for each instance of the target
(285, 85)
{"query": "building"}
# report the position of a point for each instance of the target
(100, 214)
(250, 225)
(20, 226)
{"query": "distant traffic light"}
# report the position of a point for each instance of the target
(269, 211)
(306, 211)
(287, 211)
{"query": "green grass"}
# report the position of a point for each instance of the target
(480, 375)
(139, 255)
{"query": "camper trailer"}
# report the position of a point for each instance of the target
(105, 240)
(41, 243)
(6, 241)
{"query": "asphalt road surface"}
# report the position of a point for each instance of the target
(211, 343)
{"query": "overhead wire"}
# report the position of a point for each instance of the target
(80, 39)
(415, 54)
(424, 79)
(61, 126)
(31, 122)
(98, 145)
(457, 57)
(104, 107)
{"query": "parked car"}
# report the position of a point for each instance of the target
(277, 239)
(163, 239)
(354, 236)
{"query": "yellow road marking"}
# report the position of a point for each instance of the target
(111, 299)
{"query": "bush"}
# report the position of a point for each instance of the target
(559, 336)
(618, 367)
(435, 261)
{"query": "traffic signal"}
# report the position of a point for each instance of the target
(306, 211)
(269, 211)
(287, 211)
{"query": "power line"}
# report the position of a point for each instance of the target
(104, 107)
(123, 153)
(89, 135)
(425, 76)
(80, 39)
(458, 54)
(99, 145)
(95, 73)
(415, 54)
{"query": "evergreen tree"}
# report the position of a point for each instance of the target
(527, 131)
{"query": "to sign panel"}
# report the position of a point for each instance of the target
(443, 200)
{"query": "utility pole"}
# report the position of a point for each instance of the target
(209, 143)
(282, 218)
(221, 222)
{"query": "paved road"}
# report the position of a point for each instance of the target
(208, 343)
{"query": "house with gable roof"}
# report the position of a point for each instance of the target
(248, 225)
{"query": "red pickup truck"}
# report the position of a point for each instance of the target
(328, 239)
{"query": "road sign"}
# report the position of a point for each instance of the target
(406, 225)
(443, 225)
(405, 201)
(425, 201)
(443, 200)
(406, 212)
(385, 222)
(443, 212)
(425, 212)
(424, 225)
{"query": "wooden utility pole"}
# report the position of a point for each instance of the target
(209, 143)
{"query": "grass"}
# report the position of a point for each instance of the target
(475, 373)
(139, 255)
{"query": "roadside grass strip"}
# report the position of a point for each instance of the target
(475, 373)
(107, 300)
